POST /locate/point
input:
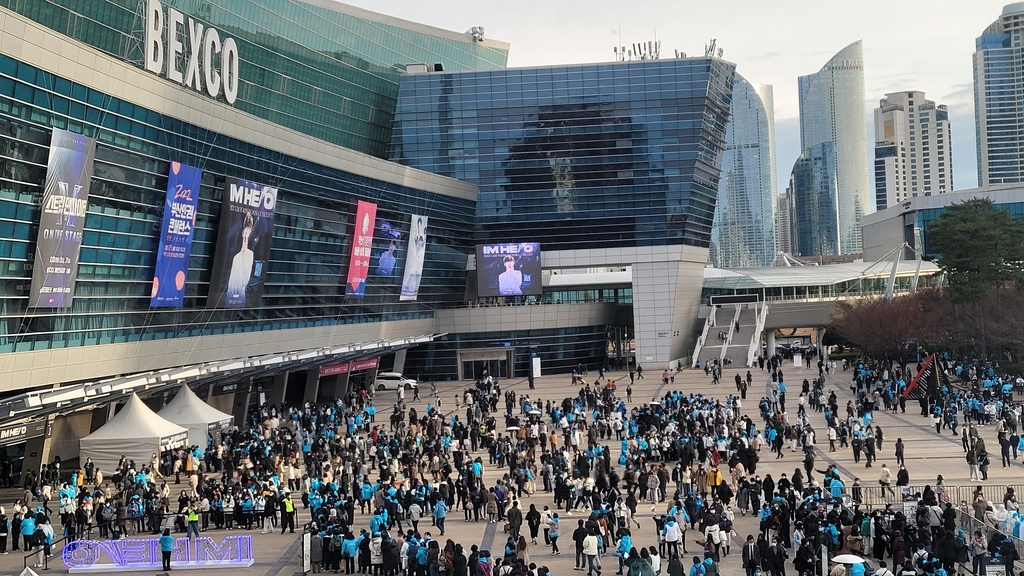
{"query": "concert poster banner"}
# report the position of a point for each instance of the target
(243, 244)
(62, 219)
(362, 248)
(414, 258)
(175, 243)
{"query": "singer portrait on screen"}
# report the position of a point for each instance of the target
(510, 282)
(241, 265)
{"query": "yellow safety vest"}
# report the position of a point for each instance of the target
(288, 506)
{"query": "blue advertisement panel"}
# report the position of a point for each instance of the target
(414, 259)
(175, 247)
(243, 244)
(62, 219)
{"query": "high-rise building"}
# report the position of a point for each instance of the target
(743, 234)
(782, 223)
(833, 140)
(606, 165)
(998, 106)
(813, 196)
(912, 149)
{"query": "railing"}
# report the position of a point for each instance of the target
(41, 548)
(728, 337)
(708, 323)
(755, 340)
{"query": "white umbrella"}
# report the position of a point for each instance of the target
(536, 412)
(848, 559)
(512, 429)
(654, 403)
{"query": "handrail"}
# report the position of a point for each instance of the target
(702, 339)
(728, 337)
(755, 339)
(46, 557)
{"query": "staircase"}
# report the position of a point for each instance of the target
(712, 346)
(738, 346)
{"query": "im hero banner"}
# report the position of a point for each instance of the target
(511, 269)
(243, 244)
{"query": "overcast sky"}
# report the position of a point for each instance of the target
(908, 45)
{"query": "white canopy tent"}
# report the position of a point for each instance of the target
(186, 409)
(135, 432)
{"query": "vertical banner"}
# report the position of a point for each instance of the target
(175, 247)
(414, 258)
(243, 244)
(362, 245)
(62, 222)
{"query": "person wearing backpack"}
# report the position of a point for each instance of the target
(698, 567)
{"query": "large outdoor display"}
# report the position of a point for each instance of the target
(243, 244)
(362, 248)
(508, 269)
(175, 246)
(142, 554)
(414, 258)
(62, 222)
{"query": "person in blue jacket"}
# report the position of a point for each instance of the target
(166, 547)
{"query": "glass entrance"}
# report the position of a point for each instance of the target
(475, 369)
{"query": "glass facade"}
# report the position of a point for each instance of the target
(998, 107)
(814, 202)
(560, 351)
(311, 237)
(329, 72)
(576, 157)
(832, 110)
(744, 231)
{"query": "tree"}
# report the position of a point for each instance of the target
(979, 247)
(892, 328)
(981, 250)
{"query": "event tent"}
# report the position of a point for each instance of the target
(135, 432)
(186, 409)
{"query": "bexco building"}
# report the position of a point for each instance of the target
(203, 198)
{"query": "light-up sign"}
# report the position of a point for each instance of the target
(128, 555)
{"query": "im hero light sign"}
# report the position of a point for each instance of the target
(210, 63)
(134, 555)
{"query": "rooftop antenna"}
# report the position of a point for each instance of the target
(709, 49)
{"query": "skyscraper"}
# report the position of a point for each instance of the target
(912, 149)
(998, 107)
(832, 112)
(814, 202)
(744, 230)
(782, 231)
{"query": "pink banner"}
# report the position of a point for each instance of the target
(362, 245)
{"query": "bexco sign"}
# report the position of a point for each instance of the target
(201, 71)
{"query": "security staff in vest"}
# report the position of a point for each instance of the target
(287, 513)
(192, 517)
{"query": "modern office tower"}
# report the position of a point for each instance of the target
(832, 113)
(322, 68)
(913, 156)
(782, 223)
(998, 106)
(613, 164)
(813, 196)
(744, 233)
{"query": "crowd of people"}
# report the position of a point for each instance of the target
(377, 491)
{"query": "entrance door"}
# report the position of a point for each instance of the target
(475, 364)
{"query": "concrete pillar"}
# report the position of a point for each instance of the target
(341, 386)
(400, 361)
(240, 402)
(770, 338)
(312, 385)
(278, 388)
(371, 375)
(820, 337)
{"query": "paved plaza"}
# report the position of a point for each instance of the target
(927, 455)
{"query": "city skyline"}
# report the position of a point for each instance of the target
(936, 57)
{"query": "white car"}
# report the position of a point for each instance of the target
(394, 380)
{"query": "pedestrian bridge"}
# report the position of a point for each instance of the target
(738, 305)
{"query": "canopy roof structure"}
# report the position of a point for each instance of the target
(186, 409)
(135, 432)
(825, 275)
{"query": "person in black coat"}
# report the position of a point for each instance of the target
(751, 556)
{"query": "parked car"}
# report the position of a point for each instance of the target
(394, 380)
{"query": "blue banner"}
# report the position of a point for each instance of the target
(175, 246)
